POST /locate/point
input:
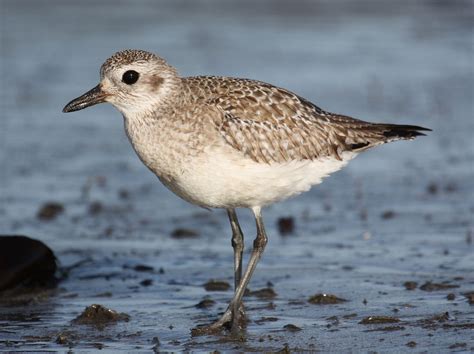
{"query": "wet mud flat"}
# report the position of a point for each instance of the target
(377, 258)
(385, 292)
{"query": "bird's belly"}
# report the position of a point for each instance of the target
(223, 180)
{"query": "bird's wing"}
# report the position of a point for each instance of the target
(271, 124)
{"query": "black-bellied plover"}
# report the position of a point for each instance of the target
(229, 143)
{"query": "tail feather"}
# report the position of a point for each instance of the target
(375, 134)
(407, 132)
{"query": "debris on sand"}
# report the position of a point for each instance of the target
(325, 299)
(49, 211)
(98, 315)
(451, 297)
(266, 319)
(388, 214)
(205, 303)
(470, 297)
(182, 233)
(435, 321)
(292, 328)
(143, 268)
(216, 285)
(379, 320)
(410, 285)
(95, 208)
(432, 188)
(265, 293)
(442, 317)
(66, 338)
(286, 225)
(27, 262)
(350, 315)
(146, 282)
(458, 345)
(429, 286)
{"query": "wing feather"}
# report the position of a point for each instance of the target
(271, 124)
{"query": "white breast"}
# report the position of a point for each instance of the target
(224, 178)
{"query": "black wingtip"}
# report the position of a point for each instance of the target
(404, 131)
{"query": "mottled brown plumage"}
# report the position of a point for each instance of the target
(271, 124)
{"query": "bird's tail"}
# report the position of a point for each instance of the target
(401, 132)
(374, 134)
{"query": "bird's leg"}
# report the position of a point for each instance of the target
(229, 315)
(238, 245)
(258, 247)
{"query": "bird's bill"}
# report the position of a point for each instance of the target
(90, 98)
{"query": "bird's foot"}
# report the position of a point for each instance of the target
(232, 320)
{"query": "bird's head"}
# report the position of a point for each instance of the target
(133, 81)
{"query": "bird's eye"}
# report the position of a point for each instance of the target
(130, 77)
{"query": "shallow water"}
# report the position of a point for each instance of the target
(401, 212)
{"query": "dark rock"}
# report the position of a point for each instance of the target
(388, 214)
(265, 293)
(50, 211)
(99, 315)
(27, 262)
(143, 268)
(451, 297)
(411, 344)
(325, 299)
(146, 282)
(286, 225)
(216, 285)
(292, 328)
(181, 233)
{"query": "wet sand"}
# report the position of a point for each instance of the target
(392, 233)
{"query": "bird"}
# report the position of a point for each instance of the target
(229, 143)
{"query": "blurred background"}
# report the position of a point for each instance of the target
(397, 212)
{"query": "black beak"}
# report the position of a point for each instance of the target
(90, 98)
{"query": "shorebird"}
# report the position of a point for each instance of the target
(222, 142)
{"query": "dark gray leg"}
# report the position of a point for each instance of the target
(230, 314)
(237, 244)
